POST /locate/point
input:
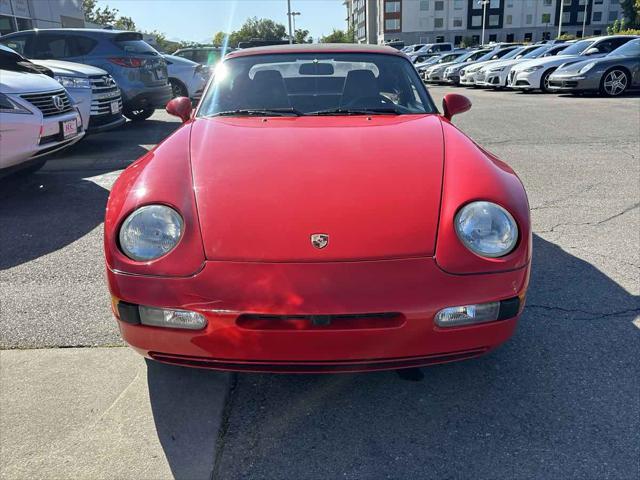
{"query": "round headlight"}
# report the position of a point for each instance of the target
(150, 232)
(486, 229)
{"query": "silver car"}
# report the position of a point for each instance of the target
(611, 75)
(187, 78)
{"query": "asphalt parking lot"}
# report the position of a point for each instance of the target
(559, 400)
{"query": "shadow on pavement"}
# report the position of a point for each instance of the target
(556, 401)
(187, 408)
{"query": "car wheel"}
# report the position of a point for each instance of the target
(614, 82)
(140, 114)
(544, 81)
(177, 88)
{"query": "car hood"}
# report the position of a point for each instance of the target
(60, 67)
(552, 61)
(505, 63)
(25, 82)
(263, 186)
(600, 64)
(442, 65)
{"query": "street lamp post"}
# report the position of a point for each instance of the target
(484, 4)
(584, 17)
(293, 16)
(560, 19)
(289, 15)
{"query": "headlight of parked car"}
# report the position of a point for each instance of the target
(150, 232)
(533, 69)
(486, 229)
(9, 106)
(497, 69)
(587, 67)
(73, 82)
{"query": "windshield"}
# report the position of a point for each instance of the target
(448, 58)
(316, 83)
(629, 49)
(535, 53)
(513, 53)
(578, 47)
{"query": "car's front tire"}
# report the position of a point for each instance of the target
(544, 81)
(178, 89)
(139, 114)
(614, 82)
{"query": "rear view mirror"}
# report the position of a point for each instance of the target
(592, 51)
(453, 104)
(180, 107)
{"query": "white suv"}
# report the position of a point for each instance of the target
(37, 116)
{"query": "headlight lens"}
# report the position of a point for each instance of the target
(9, 106)
(533, 69)
(150, 232)
(587, 67)
(497, 69)
(73, 82)
(486, 229)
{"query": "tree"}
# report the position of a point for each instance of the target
(220, 38)
(125, 23)
(302, 36)
(338, 36)
(254, 28)
(101, 16)
(631, 12)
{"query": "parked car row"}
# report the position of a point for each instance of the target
(51, 76)
(609, 65)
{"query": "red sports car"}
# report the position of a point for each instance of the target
(316, 213)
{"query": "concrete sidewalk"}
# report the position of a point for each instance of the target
(97, 413)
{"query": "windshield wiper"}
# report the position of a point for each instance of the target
(357, 111)
(260, 112)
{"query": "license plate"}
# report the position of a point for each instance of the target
(69, 128)
(115, 106)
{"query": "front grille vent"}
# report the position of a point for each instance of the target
(50, 103)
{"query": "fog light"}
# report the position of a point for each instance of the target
(160, 317)
(468, 314)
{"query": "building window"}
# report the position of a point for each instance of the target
(567, 3)
(508, 19)
(391, 24)
(457, 22)
(547, 3)
(597, 16)
(24, 23)
(546, 35)
(566, 16)
(493, 37)
(438, 22)
(494, 20)
(475, 39)
(613, 15)
(597, 2)
(457, 40)
(580, 17)
(424, 5)
(392, 7)
(509, 3)
(476, 20)
(510, 37)
(529, 20)
(597, 32)
(528, 37)
(439, 5)
(7, 24)
(494, 4)
(439, 39)
(458, 4)
(546, 18)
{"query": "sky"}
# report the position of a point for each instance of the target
(199, 20)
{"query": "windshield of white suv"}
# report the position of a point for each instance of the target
(316, 84)
(578, 47)
(629, 49)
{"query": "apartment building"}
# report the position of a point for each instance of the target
(27, 14)
(362, 16)
(426, 21)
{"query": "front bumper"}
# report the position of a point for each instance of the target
(391, 305)
(468, 79)
(573, 83)
(522, 80)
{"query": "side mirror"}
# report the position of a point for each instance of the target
(453, 104)
(592, 51)
(180, 107)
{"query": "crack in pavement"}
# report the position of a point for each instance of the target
(224, 428)
(582, 224)
(594, 315)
